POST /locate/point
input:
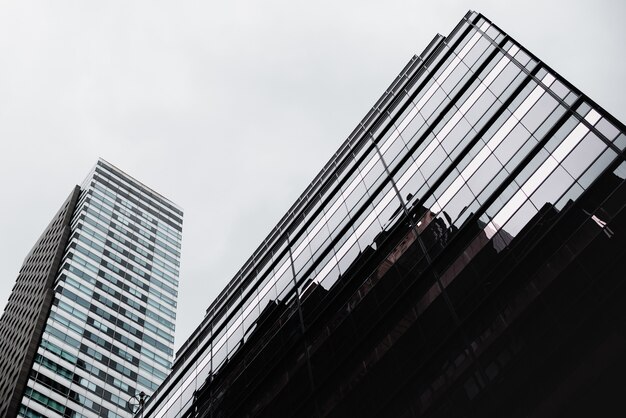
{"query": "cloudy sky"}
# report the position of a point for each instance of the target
(229, 108)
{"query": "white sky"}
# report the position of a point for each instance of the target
(230, 108)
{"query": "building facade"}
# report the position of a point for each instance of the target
(90, 321)
(460, 255)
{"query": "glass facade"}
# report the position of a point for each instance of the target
(468, 147)
(109, 333)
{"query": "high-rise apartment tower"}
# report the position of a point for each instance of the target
(90, 321)
(462, 254)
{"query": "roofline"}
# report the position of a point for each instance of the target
(122, 172)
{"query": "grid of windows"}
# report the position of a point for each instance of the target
(475, 134)
(24, 316)
(110, 329)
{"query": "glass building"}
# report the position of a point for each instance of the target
(460, 255)
(90, 321)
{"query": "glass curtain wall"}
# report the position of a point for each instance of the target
(475, 131)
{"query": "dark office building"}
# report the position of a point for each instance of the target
(25, 314)
(461, 255)
(90, 320)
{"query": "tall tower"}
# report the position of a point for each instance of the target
(461, 254)
(90, 321)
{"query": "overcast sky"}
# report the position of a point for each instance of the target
(230, 108)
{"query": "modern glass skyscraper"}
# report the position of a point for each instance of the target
(460, 255)
(90, 321)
